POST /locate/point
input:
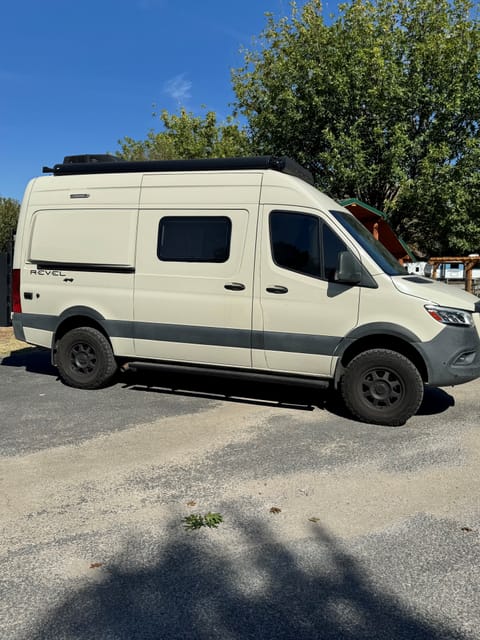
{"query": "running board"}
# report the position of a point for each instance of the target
(232, 374)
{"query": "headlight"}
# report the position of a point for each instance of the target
(445, 315)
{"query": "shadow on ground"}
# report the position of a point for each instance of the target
(217, 387)
(35, 360)
(435, 400)
(32, 359)
(190, 589)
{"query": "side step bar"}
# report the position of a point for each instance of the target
(232, 374)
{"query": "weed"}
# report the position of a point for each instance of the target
(197, 521)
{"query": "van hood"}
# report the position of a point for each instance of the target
(444, 295)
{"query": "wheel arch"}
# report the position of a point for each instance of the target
(77, 317)
(394, 338)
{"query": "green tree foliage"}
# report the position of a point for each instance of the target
(382, 103)
(185, 136)
(9, 209)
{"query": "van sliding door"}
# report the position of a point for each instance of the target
(193, 284)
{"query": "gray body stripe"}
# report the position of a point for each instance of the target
(37, 321)
(193, 335)
(299, 343)
(239, 338)
(119, 328)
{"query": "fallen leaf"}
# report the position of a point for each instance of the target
(467, 529)
(191, 503)
(275, 510)
(314, 519)
(95, 565)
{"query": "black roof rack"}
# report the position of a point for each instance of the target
(74, 165)
(91, 157)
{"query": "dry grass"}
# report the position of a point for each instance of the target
(8, 343)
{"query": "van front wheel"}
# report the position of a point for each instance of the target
(85, 359)
(382, 387)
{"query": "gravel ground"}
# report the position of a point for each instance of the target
(374, 531)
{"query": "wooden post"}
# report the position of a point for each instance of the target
(468, 275)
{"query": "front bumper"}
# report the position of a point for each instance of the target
(452, 357)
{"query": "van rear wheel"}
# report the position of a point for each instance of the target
(85, 359)
(382, 387)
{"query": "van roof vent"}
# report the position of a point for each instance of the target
(101, 163)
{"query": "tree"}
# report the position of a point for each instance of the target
(382, 103)
(9, 210)
(188, 136)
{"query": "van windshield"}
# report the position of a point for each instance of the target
(375, 249)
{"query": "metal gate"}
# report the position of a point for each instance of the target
(6, 286)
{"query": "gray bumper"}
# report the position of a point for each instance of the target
(452, 357)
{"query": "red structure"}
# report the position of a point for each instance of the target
(374, 220)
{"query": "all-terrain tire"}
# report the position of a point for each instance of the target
(380, 386)
(85, 359)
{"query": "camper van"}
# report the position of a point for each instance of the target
(235, 266)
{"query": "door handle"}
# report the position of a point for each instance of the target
(234, 286)
(277, 289)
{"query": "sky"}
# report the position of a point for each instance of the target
(76, 76)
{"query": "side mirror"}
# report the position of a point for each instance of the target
(348, 269)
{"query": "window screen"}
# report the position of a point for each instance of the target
(194, 238)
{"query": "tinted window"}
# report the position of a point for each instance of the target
(332, 246)
(194, 239)
(295, 242)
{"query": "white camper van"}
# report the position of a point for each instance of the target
(239, 266)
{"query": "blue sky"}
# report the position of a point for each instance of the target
(78, 75)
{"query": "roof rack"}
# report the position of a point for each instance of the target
(98, 163)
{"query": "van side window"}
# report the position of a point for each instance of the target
(303, 243)
(194, 239)
(332, 246)
(295, 242)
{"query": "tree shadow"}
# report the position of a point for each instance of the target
(193, 589)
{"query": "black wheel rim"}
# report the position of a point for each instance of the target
(382, 388)
(83, 358)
